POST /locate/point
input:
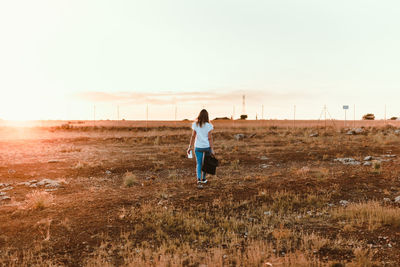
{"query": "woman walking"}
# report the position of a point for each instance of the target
(203, 142)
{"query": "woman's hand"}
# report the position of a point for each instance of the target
(213, 152)
(188, 151)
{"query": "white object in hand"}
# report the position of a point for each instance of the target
(190, 155)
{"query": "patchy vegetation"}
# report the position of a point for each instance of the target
(281, 197)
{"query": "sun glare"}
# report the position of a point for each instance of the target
(24, 106)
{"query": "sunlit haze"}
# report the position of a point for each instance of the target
(60, 59)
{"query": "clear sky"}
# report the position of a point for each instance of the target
(60, 58)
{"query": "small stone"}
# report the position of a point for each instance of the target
(359, 130)
(33, 181)
(397, 199)
(7, 188)
(344, 202)
(5, 198)
(264, 166)
(268, 213)
(368, 163)
(108, 172)
(51, 190)
(2, 193)
(264, 158)
(386, 199)
(367, 158)
(33, 185)
(397, 131)
(389, 156)
(54, 184)
(348, 161)
(48, 183)
(389, 245)
(239, 137)
(53, 161)
(314, 135)
(350, 132)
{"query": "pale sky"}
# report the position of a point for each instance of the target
(60, 58)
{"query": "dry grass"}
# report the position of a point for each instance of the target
(194, 238)
(283, 215)
(371, 215)
(129, 179)
(38, 200)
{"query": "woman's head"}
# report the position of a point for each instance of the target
(202, 118)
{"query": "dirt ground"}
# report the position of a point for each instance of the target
(91, 207)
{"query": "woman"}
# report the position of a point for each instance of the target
(203, 142)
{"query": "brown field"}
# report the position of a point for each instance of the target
(124, 194)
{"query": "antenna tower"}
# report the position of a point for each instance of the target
(243, 116)
(244, 104)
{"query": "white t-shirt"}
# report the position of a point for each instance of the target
(202, 134)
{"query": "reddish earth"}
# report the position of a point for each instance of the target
(87, 207)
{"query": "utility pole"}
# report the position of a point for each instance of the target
(94, 115)
(385, 114)
(233, 116)
(262, 112)
(147, 116)
(294, 116)
(176, 113)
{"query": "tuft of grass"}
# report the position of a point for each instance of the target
(173, 175)
(376, 166)
(370, 214)
(363, 258)
(38, 200)
(235, 164)
(129, 179)
(157, 141)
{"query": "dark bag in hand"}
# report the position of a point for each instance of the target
(210, 164)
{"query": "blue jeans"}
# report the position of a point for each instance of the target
(199, 158)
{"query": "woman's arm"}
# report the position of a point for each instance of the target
(210, 139)
(191, 144)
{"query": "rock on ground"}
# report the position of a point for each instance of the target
(355, 131)
(5, 198)
(239, 137)
(7, 188)
(348, 161)
(47, 183)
